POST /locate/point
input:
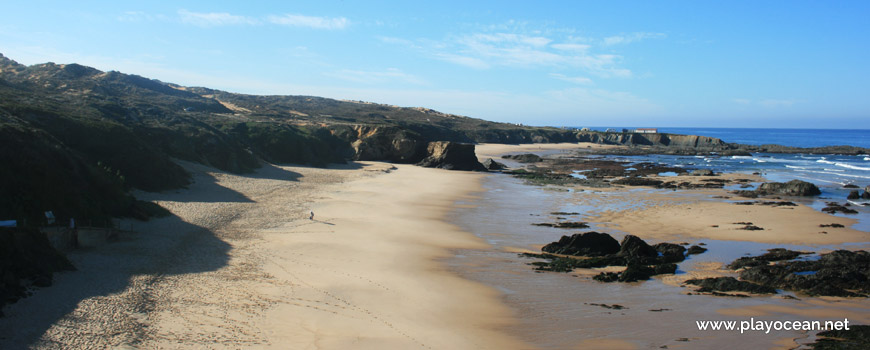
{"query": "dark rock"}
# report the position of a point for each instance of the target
(703, 172)
(525, 158)
(578, 224)
(866, 194)
(633, 248)
(834, 208)
(670, 253)
(564, 213)
(856, 337)
(836, 225)
(850, 186)
(854, 195)
(584, 244)
(791, 188)
(729, 284)
(751, 228)
(695, 250)
(636, 272)
(451, 156)
(637, 181)
(613, 307)
(606, 277)
(492, 165)
(775, 254)
(839, 273)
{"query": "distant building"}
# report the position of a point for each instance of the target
(584, 129)
(646, 130)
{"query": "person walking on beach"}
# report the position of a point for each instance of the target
(311, 215)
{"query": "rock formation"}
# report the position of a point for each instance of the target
(451, 156)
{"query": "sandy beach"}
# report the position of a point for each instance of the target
(381, 266)
(240, 265)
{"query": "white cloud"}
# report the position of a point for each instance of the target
(376, 77)
(294, 20)
(630, 38)
(486, 50)
(575, 80)
(214, 19)
(467, 61)
(571, 47)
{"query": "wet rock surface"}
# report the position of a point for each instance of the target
(857, 337)
(566, 224)
(775, 254)
(729, 284)
(834, 207)
(840, 273)
(594, 249)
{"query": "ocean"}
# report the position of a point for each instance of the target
(831, 173)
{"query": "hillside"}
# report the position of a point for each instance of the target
(76, 139)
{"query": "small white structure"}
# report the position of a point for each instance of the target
(646, 130)
(584, 129)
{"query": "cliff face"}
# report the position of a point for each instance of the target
(451, 156)
(665, 140)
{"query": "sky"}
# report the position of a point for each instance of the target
(788, 64)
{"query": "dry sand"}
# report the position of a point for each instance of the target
(241, 266)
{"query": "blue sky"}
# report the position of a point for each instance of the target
(799, 64)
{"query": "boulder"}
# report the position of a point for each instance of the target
(866, 194)
(695, 250)
(854, 195)
(490, 164)
(451, 156)
(670, 253)
(633, 248)
(791, 188)
(584, 244)
(703, 172)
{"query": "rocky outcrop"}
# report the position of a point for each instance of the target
(600, 249)
(637, 181)
(585, 244)
(492, 165)
(729, 284)
(839, 273)
(383, 143)
(451, 156)
(854, 195)
(791, 188)
(856, 337)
